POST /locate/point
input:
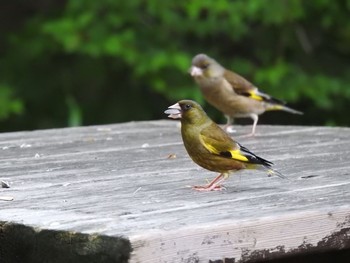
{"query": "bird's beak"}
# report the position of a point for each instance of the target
(196, 71)
(174, 111)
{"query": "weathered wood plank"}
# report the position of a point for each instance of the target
(117, 180)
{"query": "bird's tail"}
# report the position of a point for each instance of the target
(272, 172)
(284, 108)
(267, 168)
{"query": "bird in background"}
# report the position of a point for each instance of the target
(232, 94)
(211, 147)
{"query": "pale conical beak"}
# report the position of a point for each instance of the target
(174, 111)
(196, 71)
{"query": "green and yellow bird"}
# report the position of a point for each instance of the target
(211, 147)
(232, 94)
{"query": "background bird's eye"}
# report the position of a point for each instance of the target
(204, 66)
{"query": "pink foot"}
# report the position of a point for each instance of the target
(207, 188)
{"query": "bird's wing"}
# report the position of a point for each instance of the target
(243, 87)
(253, 158)
(218, 142)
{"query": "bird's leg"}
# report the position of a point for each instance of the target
(255, 119)
(214, 185)
(228, 126)
(255, 122)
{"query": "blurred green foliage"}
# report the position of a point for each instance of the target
(89, 62)
(8, 104)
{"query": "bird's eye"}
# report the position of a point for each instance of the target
(204, 66)
(187, 106)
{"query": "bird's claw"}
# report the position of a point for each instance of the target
(207, 188)
(229, 129)
(247, 135)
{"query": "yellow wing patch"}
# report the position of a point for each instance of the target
(255, 96)
(207, 146)
(237, 155)
(234, 154)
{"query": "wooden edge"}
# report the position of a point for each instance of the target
(266, 238)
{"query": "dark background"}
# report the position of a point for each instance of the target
(68, 63)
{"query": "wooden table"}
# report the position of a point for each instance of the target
(93, 194)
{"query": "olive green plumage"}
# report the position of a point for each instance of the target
(211, 147)
(232, 94)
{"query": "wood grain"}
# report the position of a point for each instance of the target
(118, 181)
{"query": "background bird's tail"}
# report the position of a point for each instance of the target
(284, 108)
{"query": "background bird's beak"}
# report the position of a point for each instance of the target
(174, 111)
(195, 71)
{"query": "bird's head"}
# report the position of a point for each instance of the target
(188, 111)
(204, 66)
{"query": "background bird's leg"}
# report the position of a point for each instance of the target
(255, 122)
(228, 127)
(255, 119)
(214, 185)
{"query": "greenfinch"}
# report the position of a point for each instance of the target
(232, 94)
(211, 147)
